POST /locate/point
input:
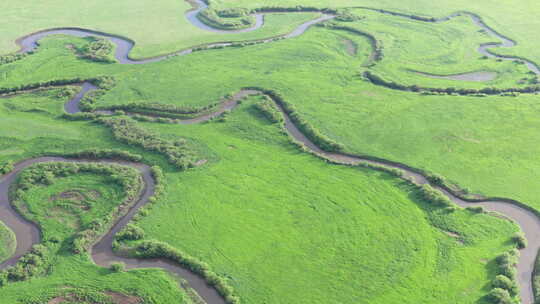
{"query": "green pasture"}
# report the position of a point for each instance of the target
(279, 224)
(284, 226)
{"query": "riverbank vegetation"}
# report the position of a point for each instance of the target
(8, 242)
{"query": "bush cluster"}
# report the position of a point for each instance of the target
(377, 80)
(33, 263)
(155, 249)
(6, 167)
(104, 154)
(5, 59)
(221, 19)
(268, 108)
(37, 85)
(159, 109)
(347, 16)
(99, 50)
(126, 130)
(434, 196)
(130, 233)
(504, 286)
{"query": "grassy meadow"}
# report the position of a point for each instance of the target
(279, 224)
(285, 227)
(483, 135)
(282, 217)
(164, 30)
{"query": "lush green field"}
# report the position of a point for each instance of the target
(445, 48)
(8, 243)
(286, 227)
(483, 135)
(292, 212)
(516, 20)
(279, 224)
(164, 30)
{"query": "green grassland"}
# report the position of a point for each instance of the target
(286, 227)
(61, 210)
(483, 135)
(282, 217)
(157, 28)
(445, 48)
(516, 20)
(281, 225)
(8, 243)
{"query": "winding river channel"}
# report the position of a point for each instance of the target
(28, 234)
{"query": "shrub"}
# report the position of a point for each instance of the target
(268, 109)
(521, 241)
(117, 267)
(99, 50)
(499, 296)
(434, 196)
(377, 80)
(218, 19)
(6, 167)
(5, 59)
(505, 283)
(476, 209)
(130, 232)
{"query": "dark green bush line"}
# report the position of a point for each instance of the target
(126, 130)
(80, 116)
(96, 154)
(98, 50)
(309, 131)
(5, 59)
(162, 110)
(505, 287)
(155, 249)
(41, 85)
(221, 19)
(377, 46)
(298, 8)
(377, 80)
(102, 82)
